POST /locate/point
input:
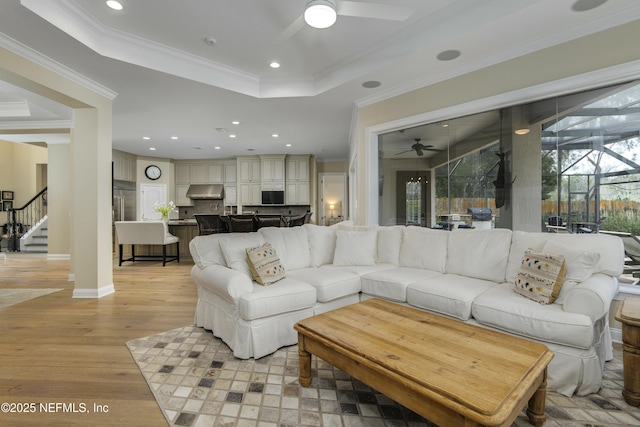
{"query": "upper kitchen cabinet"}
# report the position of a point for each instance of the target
(249, 169)
(199, 174)
(273, 172)
(215, 173)
(230, 171)
(124, 166)
(183, 173)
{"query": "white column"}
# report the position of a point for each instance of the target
(91, 205)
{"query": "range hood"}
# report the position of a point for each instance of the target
(205, 191)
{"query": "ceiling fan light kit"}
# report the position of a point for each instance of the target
(320, 13)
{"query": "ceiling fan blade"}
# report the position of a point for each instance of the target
(432, 149)
(293, 28)
(374, 10)
(402, 152)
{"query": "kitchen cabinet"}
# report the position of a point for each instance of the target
(230, 172)
(198, 174)
(250, 193)
(181, 195)
(297, 193)
(298, 186)
(272, 168)
(215, 173)
(249, 180)
(230, 195)
(183, 173)
(124, 166)
(249, 169)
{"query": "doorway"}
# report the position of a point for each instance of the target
(412, 194)
(332, 198)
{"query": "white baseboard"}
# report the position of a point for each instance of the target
(94, 293)
(58, 257)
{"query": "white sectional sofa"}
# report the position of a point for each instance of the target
(464, 274)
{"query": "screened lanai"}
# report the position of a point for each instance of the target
(589, 170)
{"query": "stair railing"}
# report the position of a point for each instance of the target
(20, 220)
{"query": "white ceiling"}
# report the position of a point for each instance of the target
(170, 82)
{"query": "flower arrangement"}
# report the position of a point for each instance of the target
(165, 210)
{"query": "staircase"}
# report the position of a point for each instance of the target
(27, 226)
(36, 239)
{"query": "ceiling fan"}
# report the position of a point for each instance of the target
(419, 148)
(330, 9)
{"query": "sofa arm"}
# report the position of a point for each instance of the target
(592, 297)
(228, 284)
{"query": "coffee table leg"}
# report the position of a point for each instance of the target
(535, 408)
(305, 362)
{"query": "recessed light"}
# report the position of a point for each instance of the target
(197, 148)
(216, 148)
(274, 64)
(274, 135)
(448, 55)
(174, 137)
(146, 138)
(235, 122)
(233, 135)
(210, 41)
(584, 5)
(371, 84)
(522, 131)
(115, 5)
(287, 145)
(152, 148)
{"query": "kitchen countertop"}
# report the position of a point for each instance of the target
(182, 222)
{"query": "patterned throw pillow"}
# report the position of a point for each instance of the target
(540, 276)
(264, 264)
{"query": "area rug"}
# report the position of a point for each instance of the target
(10, 297)
(197, 382)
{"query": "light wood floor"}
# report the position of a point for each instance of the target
(56, 349)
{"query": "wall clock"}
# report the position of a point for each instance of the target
(152, 172)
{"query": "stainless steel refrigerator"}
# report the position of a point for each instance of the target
(124, 200)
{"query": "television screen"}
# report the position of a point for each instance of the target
(273, 197)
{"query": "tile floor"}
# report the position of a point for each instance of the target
(197, 382)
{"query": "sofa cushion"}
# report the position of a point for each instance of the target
(392, 284)
(234, 249)
(361, 270)
(322, 244)
(292, 245)
(447, 294)
(355, 247)
(424, 248)
(264, 264)
(206, 250)
(388, 244)
(330, 283)
(580, 265)
(284, 296)
(540, 276)
(610, 248)
(479, 253)
(501, 308)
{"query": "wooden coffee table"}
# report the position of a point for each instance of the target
(448, 371)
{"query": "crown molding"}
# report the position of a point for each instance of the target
(36, 57)
(37, 124)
